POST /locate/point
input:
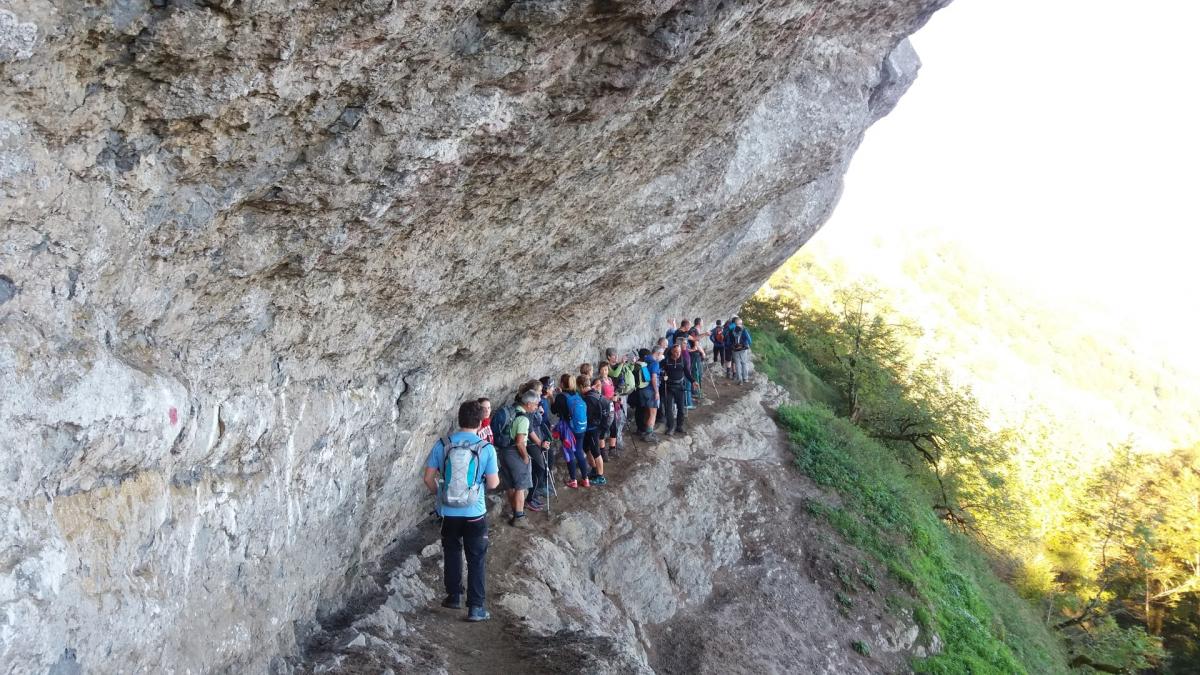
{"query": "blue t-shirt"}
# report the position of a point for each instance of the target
(487, 459)
(654, 367)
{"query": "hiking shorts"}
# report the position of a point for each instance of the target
(591, 444)
(647, 394)
(516, 474)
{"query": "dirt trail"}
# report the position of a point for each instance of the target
(699, 556)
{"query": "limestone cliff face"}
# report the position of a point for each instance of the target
(252, 252)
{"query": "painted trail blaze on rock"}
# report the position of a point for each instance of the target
(173, 415)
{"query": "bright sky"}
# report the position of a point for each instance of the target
(1062, 139)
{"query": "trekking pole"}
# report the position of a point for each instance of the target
(713, 381)
(549, 479)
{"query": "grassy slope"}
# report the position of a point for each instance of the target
(984, 625)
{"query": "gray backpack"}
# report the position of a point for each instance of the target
(462, 472)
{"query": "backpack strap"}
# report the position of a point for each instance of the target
(477, 449)
(445, 441)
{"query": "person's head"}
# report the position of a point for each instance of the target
(662, 343)
(529, 399)
(737, 320)
(603, 369)
(470, 415)
(486, 403)
(698, 322)
(610, 356)
(547, 385)
(676, 350)
(643, 354)
(684, 325)
(658, 352)
(567, 382)
(585, 369)
(583, 383)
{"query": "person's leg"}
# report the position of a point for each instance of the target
(452, 553)
(743, 358)
(475, 540)
(687, 394)
(538, 466)
(669, 408)
(681, 414)
(651, 415)
(698, 373)
(581, 462)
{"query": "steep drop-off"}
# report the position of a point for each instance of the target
(252, 252)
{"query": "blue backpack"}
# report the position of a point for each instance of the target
(578, 409)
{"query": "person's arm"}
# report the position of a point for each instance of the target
(432, 468)
(524, 453)
(746, 332)
(491, 472)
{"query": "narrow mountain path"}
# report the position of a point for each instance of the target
(699, 556)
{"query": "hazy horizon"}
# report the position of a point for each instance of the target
(1055, 141)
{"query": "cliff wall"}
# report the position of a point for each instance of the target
(251, 253)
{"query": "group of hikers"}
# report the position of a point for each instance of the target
(514, 443)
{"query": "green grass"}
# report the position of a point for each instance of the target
(777, 357)
(984, 626)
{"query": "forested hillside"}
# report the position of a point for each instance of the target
(1063, 445)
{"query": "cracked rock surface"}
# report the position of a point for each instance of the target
(251, 253)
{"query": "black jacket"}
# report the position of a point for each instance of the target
(676, 371)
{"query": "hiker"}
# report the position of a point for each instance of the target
(696, 351)
(539, 444)
(585, 369)
(515, 462)
(485, 431)
(467, 466)
(656, 387)
(608, 391)
(571, 410)
(677, 375)
(596, 428)
(681, 341)
(739, 343)
(624, 383)
(717, 338)
(672, 332)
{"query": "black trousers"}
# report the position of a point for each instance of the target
(471, 534)
(675, 408)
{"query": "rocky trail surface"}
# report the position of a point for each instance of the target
(697, 557)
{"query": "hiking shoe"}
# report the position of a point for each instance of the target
(478, 614)
(680, 432)
(572, 484)
(521, 521)
(452, 602)
(534, 506)
(599, 480)
(586, 483)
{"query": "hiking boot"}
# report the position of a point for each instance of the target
(452, 602)
(535, 506)
(586, 483)
(599, 480)
(478, 614)
(521, 521)
(573, 484)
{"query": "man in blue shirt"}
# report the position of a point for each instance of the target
(464, 527)
(738, 341)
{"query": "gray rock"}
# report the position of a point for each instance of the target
(264, 251)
